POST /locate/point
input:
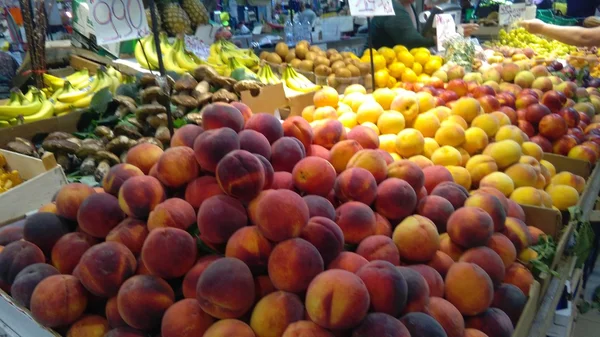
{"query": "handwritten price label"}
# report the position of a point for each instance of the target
(511, 13)
(118, 20)
(371, 8)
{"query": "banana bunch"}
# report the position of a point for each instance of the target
(81, 98)
(266, 76)
(79, 79)
(20, 107)
(298, 82)
(226, 50)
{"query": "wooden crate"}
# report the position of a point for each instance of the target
(43, 178)
(528, 314)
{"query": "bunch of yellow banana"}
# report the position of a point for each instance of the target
(298, 82)
(20, 107)
(81, 98)
(79, 79)
(226, 50)
(265, 75)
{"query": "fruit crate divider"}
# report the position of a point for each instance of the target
(163, 83)
(370, 42)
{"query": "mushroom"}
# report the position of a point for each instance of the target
(109, 157)
(62, 148)
(224, 95)
(58, 135)
(104, 132)
(186, 83)
(202, 88)
(89, 147)
(146, 110)
(120, 144)
(151, 94)
(22, 149)
(101, 170)
(135, 122)
(157, 121)
(150, 140)
(179, 112)
(148, 80)
(194, 118)
(204, 99)
(185, 101)
(88, 166)
(126, 105)
(129, 130)
(123, 157)
(163, 134)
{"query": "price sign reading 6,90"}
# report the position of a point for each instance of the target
(118, 20)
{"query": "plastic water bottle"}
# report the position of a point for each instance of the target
(288, 29)
(298, 31)
(307, 31)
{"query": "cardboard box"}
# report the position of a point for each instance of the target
(550, 221)
(66, 123)
(528, 314)
(17, 321)
(43, 178)
(269, 99)
(575, 166)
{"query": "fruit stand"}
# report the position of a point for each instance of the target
(280, 194)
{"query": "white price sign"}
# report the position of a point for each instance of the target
(118, 20)
(371, 8)
(511, 13)
(445, 28)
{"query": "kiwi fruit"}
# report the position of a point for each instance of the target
(346, 54)
(338, 64)
(365, 68)
(301, 50)
(295, 63)
(315, 48)
(263, 55)
(342, 73)
(306, 65)
(303, 43)
(322, 60)
(282, 49)
(335, 57)
(331, 81)
(311, 56)
(274, 58)
(290, 56)
(331, 51)
(353, 70)
(322, 70)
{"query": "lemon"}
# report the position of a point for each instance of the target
(381, 78)
(406, 58)
(432, 66)
(422, 57)
(396, 69)
(417, 68)
(388, 54)
(399, 48)
(409, 76)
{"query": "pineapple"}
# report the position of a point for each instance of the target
(196, 11)
(174, 18)
(149, 17)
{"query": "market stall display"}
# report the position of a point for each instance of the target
(451, 200)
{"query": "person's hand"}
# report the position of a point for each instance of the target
(534, 26)
(469, 28)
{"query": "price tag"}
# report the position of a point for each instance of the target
(118, 20)
(511, 13)
(445, 27)
(371, 8)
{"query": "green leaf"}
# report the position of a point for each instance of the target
(584, 241)
(179, 123)
(129, 90)
(101, 100)
(204, 248)
(89, 180)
